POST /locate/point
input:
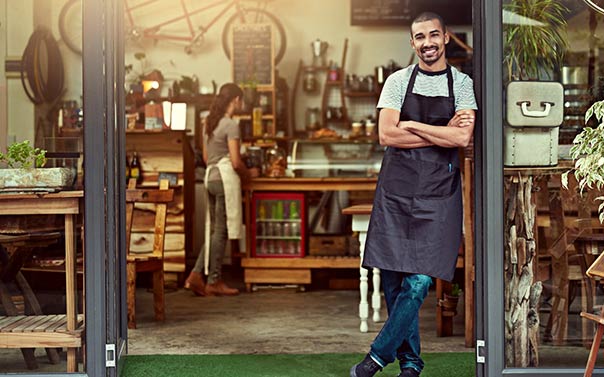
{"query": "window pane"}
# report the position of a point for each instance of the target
(554, 70)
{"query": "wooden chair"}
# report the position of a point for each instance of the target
(147, 262)
(595, 272)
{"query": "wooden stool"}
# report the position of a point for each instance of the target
(148, 262)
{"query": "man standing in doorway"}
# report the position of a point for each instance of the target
(427, 111)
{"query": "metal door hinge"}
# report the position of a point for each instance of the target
(110, 356)
(480, 352)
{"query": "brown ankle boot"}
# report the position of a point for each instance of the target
(195, 284)
(219, 288)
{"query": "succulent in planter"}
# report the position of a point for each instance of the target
(456, 290)
(25, 170)
(450, 300)
(23, 155)
(588, 153)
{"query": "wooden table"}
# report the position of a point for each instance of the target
(49, 331)
(360, 223)
(294, 270)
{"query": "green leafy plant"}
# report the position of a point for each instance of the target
(23, 155)
(588, 153)
(455, 290)
(535, 43)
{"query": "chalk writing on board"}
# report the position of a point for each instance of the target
(402, 12)
(253, 54)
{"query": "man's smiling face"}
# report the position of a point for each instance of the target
(428, 39)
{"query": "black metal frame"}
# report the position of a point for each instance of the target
(488, 42)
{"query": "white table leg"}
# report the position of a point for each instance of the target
(376, 298)
(363, 287)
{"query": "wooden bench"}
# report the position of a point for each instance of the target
(289, 270)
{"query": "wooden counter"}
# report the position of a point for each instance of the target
(295, 270)
(311, 184)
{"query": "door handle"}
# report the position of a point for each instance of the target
(535, 113)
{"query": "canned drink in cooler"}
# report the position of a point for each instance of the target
(259, 228)
(295, 229)
(287, 230)
(278, 230)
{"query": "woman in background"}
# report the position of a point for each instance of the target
(224, 172)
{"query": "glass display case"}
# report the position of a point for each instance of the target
(335, 157)
(279, 229)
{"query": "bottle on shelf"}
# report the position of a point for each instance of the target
(257, 122)
(127, 169)
(293, 210)
(135, 168)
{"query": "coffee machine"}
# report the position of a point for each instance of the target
(319, 49)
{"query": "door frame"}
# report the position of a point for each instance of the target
(488, 38)
(104, 179)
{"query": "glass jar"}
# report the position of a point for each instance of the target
(313, 114)
(254, 157)
(275, 163)
(310, 80)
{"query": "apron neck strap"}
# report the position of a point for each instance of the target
(414, 76)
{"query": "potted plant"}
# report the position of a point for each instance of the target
(588, 153)
(534, 47)
(450, 300)
(24, 170)
(534, 42)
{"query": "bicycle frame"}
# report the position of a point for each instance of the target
(153, 32)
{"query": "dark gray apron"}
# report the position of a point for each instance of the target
(416, 220)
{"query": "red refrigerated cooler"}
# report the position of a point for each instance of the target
(278, 225)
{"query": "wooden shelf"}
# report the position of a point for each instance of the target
(290, 270)
(352, 94)
(306, 262)
(48, 331)
(249, 117)
(143, 131)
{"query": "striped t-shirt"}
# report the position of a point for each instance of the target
(430, 84)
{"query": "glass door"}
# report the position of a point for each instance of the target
(551, 63)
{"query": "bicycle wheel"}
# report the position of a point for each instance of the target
(255, 16)
(597, 5)
(70, 25)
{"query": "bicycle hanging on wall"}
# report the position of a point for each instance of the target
(597, 5)
(70, 23)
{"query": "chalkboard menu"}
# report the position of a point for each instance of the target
(252, 54)
(402, 12)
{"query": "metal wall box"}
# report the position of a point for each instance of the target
(534, 112)
(535, 104)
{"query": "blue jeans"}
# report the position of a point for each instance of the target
(399, 338)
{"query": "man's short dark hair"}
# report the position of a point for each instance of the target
(427, 16)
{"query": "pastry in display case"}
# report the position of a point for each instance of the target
(336, 158)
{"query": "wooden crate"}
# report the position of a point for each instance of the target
(328, 245)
